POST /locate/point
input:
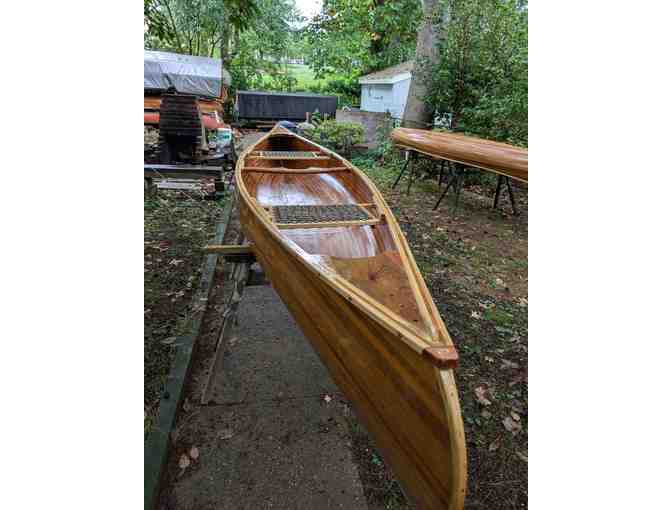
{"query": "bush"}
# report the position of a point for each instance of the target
(338, 136)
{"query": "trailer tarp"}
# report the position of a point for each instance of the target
(282, 105)
(189, 74)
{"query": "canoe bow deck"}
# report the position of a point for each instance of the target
(336, 256)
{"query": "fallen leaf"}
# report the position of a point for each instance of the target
(226, 433)
(184, 461)
(169, 340)
(475, 315)
(489, 359)
(512, 426)
(516, 380)
(521, 456)
(186, 405)
(515, 416)
(481, 392)
(495, 444)
(509, 364)
(193, 452)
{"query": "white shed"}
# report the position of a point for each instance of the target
(387, 90)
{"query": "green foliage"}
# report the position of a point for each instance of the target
(257, 52)
(481, 78)
(195, 27)
(338, 136)
(352, 37)
(346, 89)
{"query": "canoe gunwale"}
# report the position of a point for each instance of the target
(410, 334)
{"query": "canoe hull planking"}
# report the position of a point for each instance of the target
(408, 403)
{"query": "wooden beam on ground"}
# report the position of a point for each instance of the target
(229, 249)
(182, 171)
(240, 275)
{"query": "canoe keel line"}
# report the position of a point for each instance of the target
(336, 256)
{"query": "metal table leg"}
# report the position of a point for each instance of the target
(500, 178)
(451, 181)
(408, 160)
(411, 174)
(513, 200)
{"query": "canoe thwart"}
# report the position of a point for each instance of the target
(288, 155)
(443, 356)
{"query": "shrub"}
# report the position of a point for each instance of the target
(338, 136)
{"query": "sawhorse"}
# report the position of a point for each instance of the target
(501, 179)
(456, 172)
(413, 156)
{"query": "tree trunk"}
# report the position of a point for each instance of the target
(418, 114)
(224, 51)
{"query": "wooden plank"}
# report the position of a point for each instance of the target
(182, 171)
(229, 249)
(328, 224)
(158, 439)
(240, 275)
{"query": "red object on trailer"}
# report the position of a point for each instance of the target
(152, 119)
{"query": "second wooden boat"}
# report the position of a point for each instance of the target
(337, 257)
(496, 157)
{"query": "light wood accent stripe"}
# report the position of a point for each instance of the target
(327, 224)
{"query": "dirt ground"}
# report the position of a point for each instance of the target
(474, 261)
(177, 226)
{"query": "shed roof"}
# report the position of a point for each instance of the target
(390, 74)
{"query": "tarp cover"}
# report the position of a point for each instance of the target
(202, 76)
(282, 105)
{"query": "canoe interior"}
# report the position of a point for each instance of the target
(365, 255)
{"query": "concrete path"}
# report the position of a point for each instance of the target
(275, 436)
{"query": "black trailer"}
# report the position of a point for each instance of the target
(275, 106)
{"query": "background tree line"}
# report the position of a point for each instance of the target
(474, 71)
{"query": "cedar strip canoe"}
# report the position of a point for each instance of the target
(495, 157)
(337, 257)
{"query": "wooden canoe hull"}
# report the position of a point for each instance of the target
(410, 407)
(492, 156)
(407, 401)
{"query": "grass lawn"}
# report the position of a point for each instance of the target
(304, 75)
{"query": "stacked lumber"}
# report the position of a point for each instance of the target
(495, 157)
